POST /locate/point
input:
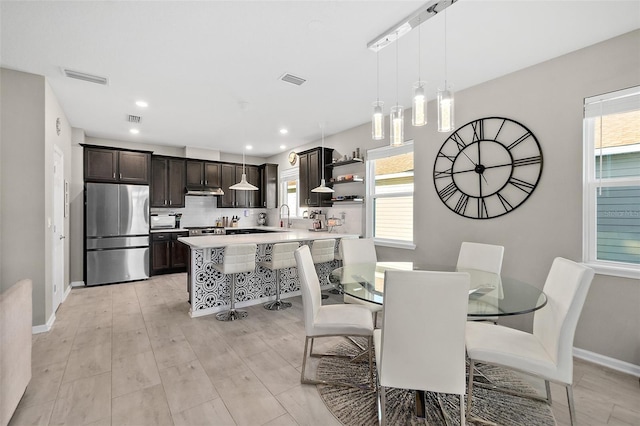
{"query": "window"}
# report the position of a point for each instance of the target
(289, 191)
(390, 195)
(612, 183)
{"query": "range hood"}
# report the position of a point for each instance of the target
(207, 192)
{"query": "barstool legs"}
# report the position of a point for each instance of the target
(277, 304)
(232, 314)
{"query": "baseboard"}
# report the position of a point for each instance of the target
(66, 293)
(44, 328)
(77, 284)
(605, 361)
(215, 310)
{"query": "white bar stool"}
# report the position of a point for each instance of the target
(282, 256)
(323, 251)
(238, 258)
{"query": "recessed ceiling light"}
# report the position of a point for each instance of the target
(142, 104)
(283, 146)
(284, 131)
(134, 131)
(249, 147)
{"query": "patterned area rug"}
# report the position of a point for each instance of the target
(352, 406)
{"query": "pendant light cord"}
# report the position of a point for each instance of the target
(445, 49)
(378, 76)
(397, 43)
(419, 52)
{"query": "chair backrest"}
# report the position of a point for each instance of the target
(485, 257)
(423, 330)
(323, 250)
(340, 253)
(358, 251)
(309, 287)
(239, 258)
(555, 324)
(282, 255)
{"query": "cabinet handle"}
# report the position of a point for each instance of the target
(120, 175)
(200, 181)
(114, 175)
(165, 202)
(206, 182)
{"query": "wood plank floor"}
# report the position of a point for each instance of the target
(129, 354)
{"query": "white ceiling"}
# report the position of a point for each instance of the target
(196, 63)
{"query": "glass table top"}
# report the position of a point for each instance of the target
(490, 295)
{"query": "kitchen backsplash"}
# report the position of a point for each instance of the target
(203, 211)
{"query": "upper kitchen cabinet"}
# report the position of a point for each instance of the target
(203, 174)
(269, 185)
(230, 175)
(115, 165)
(167, 182)
(310, 169)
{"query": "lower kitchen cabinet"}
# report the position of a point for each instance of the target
(168, 255)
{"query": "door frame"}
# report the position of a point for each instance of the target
(58, 235)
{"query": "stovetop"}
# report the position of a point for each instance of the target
(205, 230)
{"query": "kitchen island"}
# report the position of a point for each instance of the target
(209, 289)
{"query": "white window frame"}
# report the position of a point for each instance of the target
(620, 101)
(375, 154)
(287, 176)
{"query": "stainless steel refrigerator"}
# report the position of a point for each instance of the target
(116, 232)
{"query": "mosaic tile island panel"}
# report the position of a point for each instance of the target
(210, 289)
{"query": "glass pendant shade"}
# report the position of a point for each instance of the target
(396, 119)
(445, 109)
(419, 110)
(377, 121)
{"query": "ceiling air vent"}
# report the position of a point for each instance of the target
(86, 77)
(290, 78)
(134, 119)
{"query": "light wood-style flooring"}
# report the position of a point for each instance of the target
(129, 354)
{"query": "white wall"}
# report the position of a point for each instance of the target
(29, 113)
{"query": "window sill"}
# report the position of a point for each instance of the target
(394, 244)
(614, 270)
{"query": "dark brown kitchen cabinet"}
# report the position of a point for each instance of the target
(203, 174)
(232, 174)
(167, 182)
(114, 165)
(310, 173)
(168, 255)
(269, 185)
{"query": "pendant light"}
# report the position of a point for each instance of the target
(419, 107)
(322, 188)
(243, 185)
(377, 120)
(396, 116)
(445, 94)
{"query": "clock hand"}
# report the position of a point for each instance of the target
(465, 154)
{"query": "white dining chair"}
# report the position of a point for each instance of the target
(483, 257)
(421, 343)
(362, 250)
(328, 320)
(548, 351)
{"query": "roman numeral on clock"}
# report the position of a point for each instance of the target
(446, 192)
(522, 185)
(527, 161)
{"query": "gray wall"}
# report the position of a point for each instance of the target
(548, 99)
(28, 132)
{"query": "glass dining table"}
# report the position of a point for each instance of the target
(490, 295)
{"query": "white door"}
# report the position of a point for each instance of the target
(58, 227)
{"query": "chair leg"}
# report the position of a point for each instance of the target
(371, 362)
(232, 314)
(470, 384)
(375, 319)
(548, 390)
(572, 407)
(462, 415)
(277, 304)
(304, 359)
(383, 406)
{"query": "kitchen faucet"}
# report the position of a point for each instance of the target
(287, 223)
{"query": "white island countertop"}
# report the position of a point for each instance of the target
(281, 235)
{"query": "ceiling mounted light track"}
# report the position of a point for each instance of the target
(430, 9)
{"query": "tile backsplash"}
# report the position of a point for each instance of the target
(203, 211)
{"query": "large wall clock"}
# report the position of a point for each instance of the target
(487, 168)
